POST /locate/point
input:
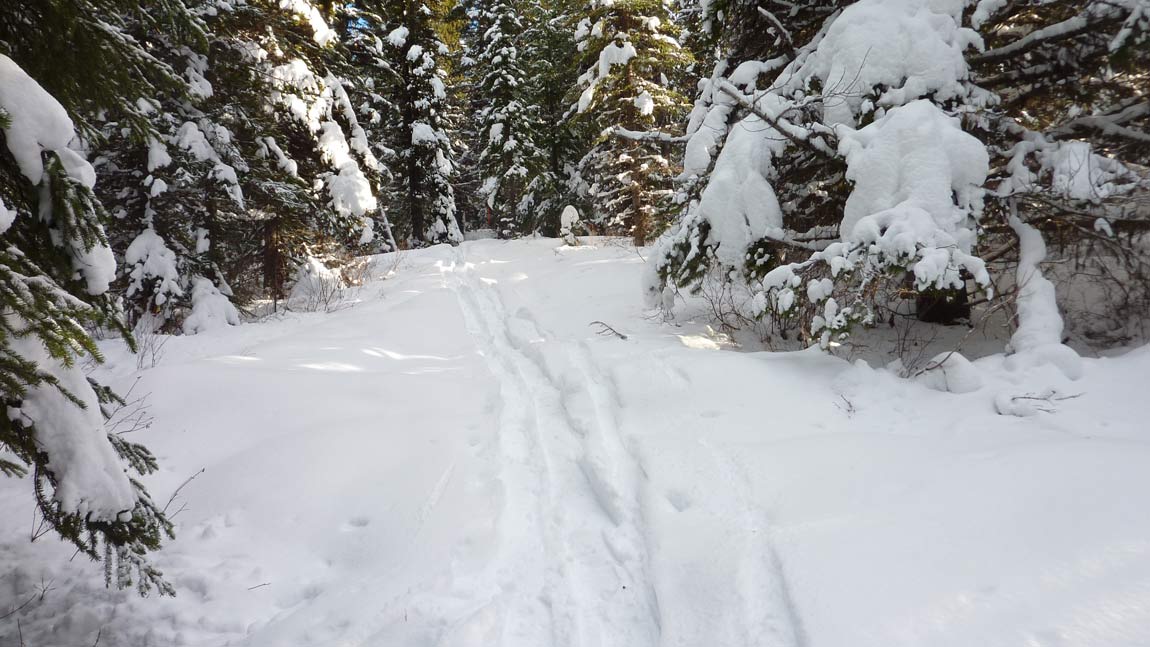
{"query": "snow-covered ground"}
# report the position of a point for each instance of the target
(459, 459)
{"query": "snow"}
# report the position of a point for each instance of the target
(1038, 337)
(614, 53)
(398, 36)
(645, 103)
(322, 34)
(158, 156)
(285, 163)
(569, 218)
(316, 286)
(914, 47)
(567, 221)
(459, 459)
(495, 133)
(1079, 173)
(984, 10)
(951, 372)
(150, 259)
(211, 310)
(422, 134)
(7, 217)
(908, 169)
(739, 201)
(90, 480)
(349, 189)
(38, 122)
(192, 139)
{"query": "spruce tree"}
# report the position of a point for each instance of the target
(548, 55)
(56, 267)
(632, 64)
(508, 123)
(423, 198)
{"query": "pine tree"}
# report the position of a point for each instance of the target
(632, 64)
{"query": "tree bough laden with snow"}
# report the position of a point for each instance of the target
(859, 126)
(626, 92)
(55, 271)
(1070, 141)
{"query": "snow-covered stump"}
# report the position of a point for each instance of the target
(1037, 339)
(567, 223)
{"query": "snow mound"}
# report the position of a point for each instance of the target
(316, 286)
(951, 372)
(211, 310)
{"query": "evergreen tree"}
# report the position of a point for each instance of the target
(266, 160)
(314, 172)
(507, 122)
(633, 64)
(56, 267)
(776, 144)
(424, 164)
(551, 67)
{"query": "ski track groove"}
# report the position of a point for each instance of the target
(567, 467)
(596, 558)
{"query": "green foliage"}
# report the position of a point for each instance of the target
(627, 174)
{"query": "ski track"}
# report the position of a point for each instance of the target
(568, 477)
(569, 470)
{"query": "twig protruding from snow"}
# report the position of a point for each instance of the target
(604, 329)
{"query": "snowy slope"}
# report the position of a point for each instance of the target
(459, 459)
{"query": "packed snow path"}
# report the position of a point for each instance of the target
(457, 458)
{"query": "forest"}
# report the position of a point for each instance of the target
(953, 192)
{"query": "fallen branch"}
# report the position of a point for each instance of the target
(607, 330)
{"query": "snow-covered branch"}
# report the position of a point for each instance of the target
(1069, 28)
(647, 135)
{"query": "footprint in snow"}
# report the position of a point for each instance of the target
(356, 523)
(679, 500)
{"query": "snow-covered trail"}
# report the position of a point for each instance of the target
(460, 460)
(735, 588)
(581, 545)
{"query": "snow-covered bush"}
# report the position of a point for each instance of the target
(211, 309)
(317, 287)
(568, 222)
